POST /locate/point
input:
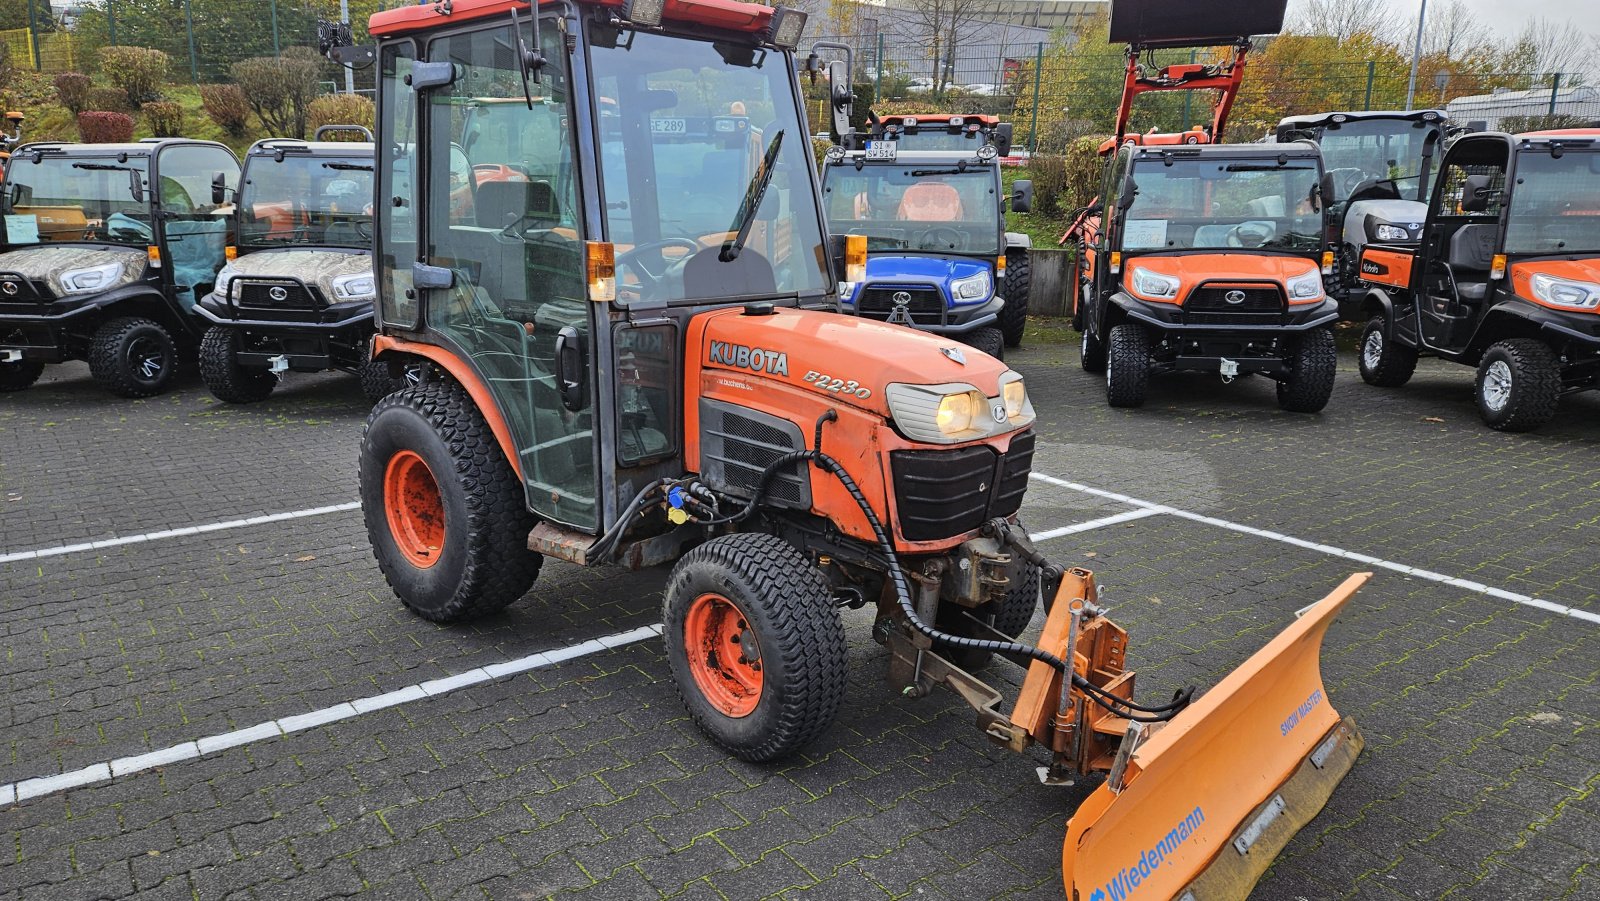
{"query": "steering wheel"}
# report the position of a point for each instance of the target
(1250, 234)
(928, 238)
(648, 279)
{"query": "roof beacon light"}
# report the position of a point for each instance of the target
(787, 24)
(644, 12)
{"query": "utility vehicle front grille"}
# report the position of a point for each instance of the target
(926, 305)
(18, 290)
(286, 294)
(940, 493)
(1254, 299)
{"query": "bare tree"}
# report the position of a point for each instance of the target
(941, 26)
(1344, 19)
(1453, 32)
(1546, 46)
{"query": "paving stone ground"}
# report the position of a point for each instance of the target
(1481, 777)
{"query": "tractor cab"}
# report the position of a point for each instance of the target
(1380, 166)
(106, 250)
(1505, 275)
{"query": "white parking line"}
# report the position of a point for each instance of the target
(1468, 584)
(1101, 523)
(175, 533)
(14, 792)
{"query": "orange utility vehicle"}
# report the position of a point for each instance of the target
(1506, 276)
(620, 374)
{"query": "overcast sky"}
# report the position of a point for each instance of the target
(1509, 16)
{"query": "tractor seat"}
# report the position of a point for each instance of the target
(930, 202)
(1471, 257)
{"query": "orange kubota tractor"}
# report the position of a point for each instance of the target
(633, 356)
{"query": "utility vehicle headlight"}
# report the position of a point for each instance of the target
(361, 286)
(1015, 396)
(1153, 284)
(91, 278)
(847, 292)
(1305, 287)
(975, 287)
(1392, 233)
(1565, 292)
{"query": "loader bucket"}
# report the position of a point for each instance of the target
(1155, 23)
(1209, 799)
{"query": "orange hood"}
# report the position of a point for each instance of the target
(1192, 269)
(1574, 270)
(842, 356)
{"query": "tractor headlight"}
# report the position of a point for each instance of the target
(974, 287)
(1305, 287)
(1392, 233)
(361, 286)
(954, 415)
(1014, 394)
(1153, 284)
(90, 278)
(1565, 292)
(956, 412)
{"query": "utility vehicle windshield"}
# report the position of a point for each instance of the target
(1555, 204)
(1360, 152)
(61, 197)
(940, 137)
(1222, 203)
(927, 207)
(685, 130)
(306, 200)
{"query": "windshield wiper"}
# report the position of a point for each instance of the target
(1246, 167)
(919, 173)
(349, 167)
(752, 201)
(106, 167)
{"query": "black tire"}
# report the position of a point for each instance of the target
(220, 369)
(1010, 614)
(988, 340)
(1384, 362)
(787, 615)
(482, 563)
(1311, 371)
(376, 382)
(1127, 365)
(1528, 376)
(19, 376)
(1019, 278)
(133, 357)
(1091, 351)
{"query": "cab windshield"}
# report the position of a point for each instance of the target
(926, 207)
(1222, 204)
(937, 137)
(687, 130)
(1555, 204)
(55, 197)
(1360, 152)
(306, 200)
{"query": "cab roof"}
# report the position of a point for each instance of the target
(922, 157)
(728, 15)
(269, 146)
(1294, 149)
(1556, 134)
(1313, 120)
(131, 148)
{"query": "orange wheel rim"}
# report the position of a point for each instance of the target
(415, 508)
(724, 656)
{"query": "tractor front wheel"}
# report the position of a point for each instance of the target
(988, 340)
(443, 508)
(19, 376)
(1010, 613)
(1019, 279)
(1127, 365)
(755, 644)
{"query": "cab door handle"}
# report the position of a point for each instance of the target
(570, 368)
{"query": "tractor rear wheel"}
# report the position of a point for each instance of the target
(133, 357)
(19, 376)
(443, 508)
(1019, 278)
(1127, 365)
(1311, 372)
(1385, 362)
(755, 644)
(220, 369)
(1010, 614)
(1518, 385)
(988, 340)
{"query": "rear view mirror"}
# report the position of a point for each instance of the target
(135, 186)
(425, 75)
(1021, 195)
(219, 188)
(841, 95)
(1002, 141)
(659, 99)
(1475, 193)
(1130, 190)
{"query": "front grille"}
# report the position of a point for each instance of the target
(1233, 319)
(736, 447)
(18, 290)
(940, 493)
(926, 305)
(284, 294)
(1256, 299)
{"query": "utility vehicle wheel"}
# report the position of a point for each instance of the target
(1014, 315)
(1385, 363)
(1519, 383)
(1127, 365)
(19, 376)
(377, 383)
(133, 357)
(443, 508)
(1091, 352)
(1311, 372)
(755, 644)
(988, 340)
(219, 367)
(1010, 614)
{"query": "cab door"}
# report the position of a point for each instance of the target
(501, 273)
(1451, 280)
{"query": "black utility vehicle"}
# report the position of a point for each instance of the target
(106, 249)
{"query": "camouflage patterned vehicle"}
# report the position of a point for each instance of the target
(297, 293)
(106, 248)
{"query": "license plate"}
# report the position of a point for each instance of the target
(669, 126)
(880, 150)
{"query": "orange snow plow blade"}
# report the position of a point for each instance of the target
(1204, 803)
